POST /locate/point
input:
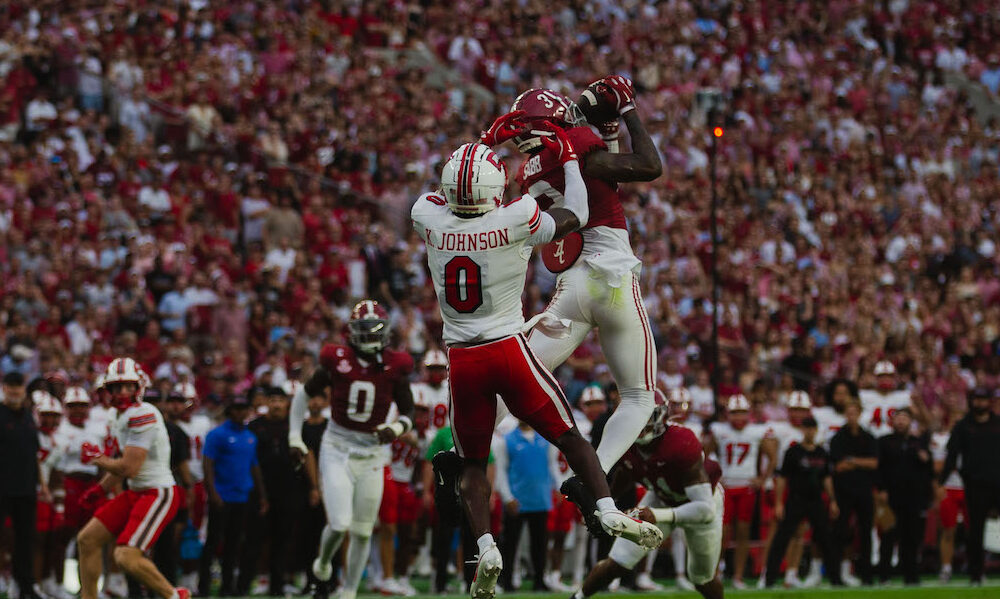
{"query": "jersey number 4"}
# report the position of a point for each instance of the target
(733, 448)
(361, 401)
(463, 284)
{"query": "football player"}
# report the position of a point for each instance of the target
(363, 378)
(136, 517)
(478, 247)
(434, 389)
(50, 548)
(950, 498)
(740, 446)
(831, 416)
(683, 492)
(195, 424)
(598, 282)
(879, 404)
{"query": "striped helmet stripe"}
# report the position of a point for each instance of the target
(466, 162)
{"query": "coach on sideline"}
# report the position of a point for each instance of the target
(976, 440)
(19, 464)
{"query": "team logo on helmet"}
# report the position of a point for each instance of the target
(473, 180)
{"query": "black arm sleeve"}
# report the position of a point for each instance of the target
(318, 382)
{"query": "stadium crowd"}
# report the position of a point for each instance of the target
(209, 187)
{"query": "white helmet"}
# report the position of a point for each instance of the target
(291, 387)
(591, 393)
(679, 395)
(799, 400)
(125, 370)
(738, 403)
(473, 180)
(99, 382)
(884, 367)
(187, 391)
(45, 403)
(76, 395)
(420, 399)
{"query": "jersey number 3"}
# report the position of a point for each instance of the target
(463, 284)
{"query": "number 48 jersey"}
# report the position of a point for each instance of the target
(362, 391)
(479, 264)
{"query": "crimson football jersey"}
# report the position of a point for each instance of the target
(542, 176)
(362, 391)
(660, 465)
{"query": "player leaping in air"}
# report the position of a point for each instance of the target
(478, 249)
(598, 283)
(364, 378)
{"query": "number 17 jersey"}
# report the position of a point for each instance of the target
(479, 264)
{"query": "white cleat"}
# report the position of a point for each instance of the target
(484, 584)
(55, 590)
(792, 581)
(322, 571)
(813, 580)
(406, 588)
(643, 534)
(684, 583)
(645, 582)
(739, 585)
(115, 585)
(851, 580)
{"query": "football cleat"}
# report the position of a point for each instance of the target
(641, 533)
(322, 571)
(488, 567)
(584, 500)
(447, 469)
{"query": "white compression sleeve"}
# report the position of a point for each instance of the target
(699, 510)
(575, 194)
(296, 416)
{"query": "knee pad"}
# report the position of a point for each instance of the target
(361, 529)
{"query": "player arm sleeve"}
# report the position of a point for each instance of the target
(296, 417)
(576, 193)
(501, 483)
(403, 398)
(700, 508)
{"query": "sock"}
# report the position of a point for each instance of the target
(357, 557)
(329, 543)
(174, 595)
(946, 568)
(624, 426)
(791, 573)
(678, 551)
(606, 504)
(579, 595)
(815, 566)
(485, 542)
(845, 568)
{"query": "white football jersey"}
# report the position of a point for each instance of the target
(405, 457)
(828, 423)
(939, 451)
(141, 425)
(71, 440)
(558, 466)
(101, 416)
(48, 451)
(877, 409)
(479, 264)
(196, 429)
(436, 398)
(786, 434)
(739, 451)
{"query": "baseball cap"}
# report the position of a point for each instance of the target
(152, 396)
(238, 401)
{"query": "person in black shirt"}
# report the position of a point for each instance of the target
(905, 472)
(806, 473)
(976, 440)
(854, 453)
(21, 476)
(315, 518)
(286, 475)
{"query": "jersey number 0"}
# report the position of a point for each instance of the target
(463, 284)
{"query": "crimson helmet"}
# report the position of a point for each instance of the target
(541, 104)
(436, 365)
(657, 423)
(368, 328)
(121, 371)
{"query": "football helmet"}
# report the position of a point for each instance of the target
(657, 422)
(799, 400)
(473, 180)
(884, 367)
(76, 395)
(738, 403)
(436, 366)
(368, 328)
(121, 371)
(592, 393)
(679, 400)
(77, 404)
(187, 391)
(539, 104)
(45, 402)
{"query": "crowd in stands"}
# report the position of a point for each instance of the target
(209, 186)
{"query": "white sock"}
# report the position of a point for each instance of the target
(174, 595)
(329, 543)
(606, 504)
(357, 557)
(791, 573)
(816, 565)
(946, 568)
(624, 426)
(485, 542)
(845, 568)
(678, 551)
(579, 595)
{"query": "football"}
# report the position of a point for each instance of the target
(598, 103)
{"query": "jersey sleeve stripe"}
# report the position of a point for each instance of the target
(141, 420)
(535, 222)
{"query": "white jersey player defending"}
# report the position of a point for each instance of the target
(879, 404)
(478, 250)
(135, 517)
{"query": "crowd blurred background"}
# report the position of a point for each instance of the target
(209, 186)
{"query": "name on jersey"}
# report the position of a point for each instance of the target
(468, 242)
(533, 166)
